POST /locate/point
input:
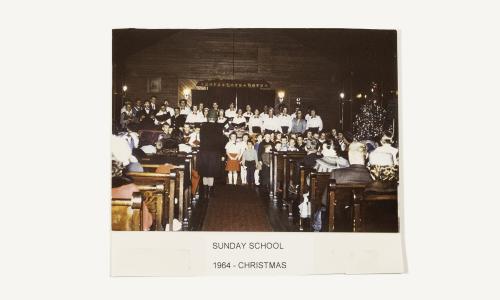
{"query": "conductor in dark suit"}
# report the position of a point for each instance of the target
(212, 143)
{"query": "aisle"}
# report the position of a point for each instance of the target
(236, 208)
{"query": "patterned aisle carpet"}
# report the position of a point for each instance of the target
(236, 208)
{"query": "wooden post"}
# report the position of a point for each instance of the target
(188, 195)
(171, 202)
(356, 220)
(332, 202)
(284, 185)
(271, 186)
(275, 176)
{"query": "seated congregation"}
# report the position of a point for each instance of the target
(168, 164)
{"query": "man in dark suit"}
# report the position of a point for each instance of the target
(137, 109)
(153, 104)
(177, 120)
(357, 172)
(146, 116)
(211, 148)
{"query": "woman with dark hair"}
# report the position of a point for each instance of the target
(298, 123)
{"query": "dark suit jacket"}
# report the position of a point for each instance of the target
(178, 121)
(211, 137)
(351, 174)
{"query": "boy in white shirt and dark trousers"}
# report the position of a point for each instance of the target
(249, 160)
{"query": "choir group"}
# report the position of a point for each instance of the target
(251, 134)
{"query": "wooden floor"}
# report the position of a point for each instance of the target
(242, 208)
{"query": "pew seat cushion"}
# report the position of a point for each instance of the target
(165, 168)
(124, 191)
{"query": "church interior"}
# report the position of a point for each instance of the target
(285, 130)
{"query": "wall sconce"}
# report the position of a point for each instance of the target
(342, 95)
(186, 93)
(281, 95)
(124, 88)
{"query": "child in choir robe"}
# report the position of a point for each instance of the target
(249, 160)
(233, 154)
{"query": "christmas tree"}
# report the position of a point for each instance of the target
(369, 122)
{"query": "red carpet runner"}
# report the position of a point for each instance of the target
(236, 208)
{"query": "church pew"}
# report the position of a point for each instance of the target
(318, 183)
(376, 213)
(341, 196)
(126, 214)
(368, 212)
(181, 191)
(160, 202)
(280, 172)
(277, 172)
(285, 166)
(188, 159)
(291, 161)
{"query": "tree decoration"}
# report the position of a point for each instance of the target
(369, 122)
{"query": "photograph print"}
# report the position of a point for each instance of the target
(259, 130)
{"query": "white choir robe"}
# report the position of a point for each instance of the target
(239, 120)
(254, 122)
(195, 118)
(272, 124)
(315, 122)
(185, 111)
(285, 120)
(230, 113)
